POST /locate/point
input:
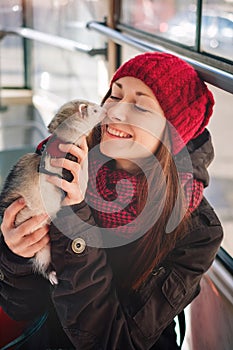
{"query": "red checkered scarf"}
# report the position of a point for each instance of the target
(108, 201)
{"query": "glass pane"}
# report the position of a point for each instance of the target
(61, 74)
(220, 190)
(21, 129)
(217, 28)
(11, 54)
(172, 19)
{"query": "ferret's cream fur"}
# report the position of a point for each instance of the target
(73, 120)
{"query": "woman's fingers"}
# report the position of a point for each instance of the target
(36, 236)
(29, 245)
(13, 235)
(30, 225)
(11, 213)
(67, 164)
(57, 181)
(35, 242)
(26, 239)
(74, 193)
(80, 152)
(75, 190)
(83, 144)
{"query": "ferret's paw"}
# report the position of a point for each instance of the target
(53, 278)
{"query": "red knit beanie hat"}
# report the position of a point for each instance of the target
(184, 97)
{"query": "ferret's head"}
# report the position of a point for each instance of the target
(76, 118)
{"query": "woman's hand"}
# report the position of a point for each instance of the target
(76, 189)
(23, 240)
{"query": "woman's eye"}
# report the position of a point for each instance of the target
(115, 98)
(141, 109)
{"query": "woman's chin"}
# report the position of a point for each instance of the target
(127, 149)
(115, 148)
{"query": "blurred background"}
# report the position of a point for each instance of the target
(49, 55)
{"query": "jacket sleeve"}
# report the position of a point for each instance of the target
(86, 299)
(176, 282)
(23, 294)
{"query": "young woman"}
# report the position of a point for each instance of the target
(129, 254)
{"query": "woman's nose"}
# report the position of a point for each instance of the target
(118, 112)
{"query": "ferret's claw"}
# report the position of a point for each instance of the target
(53, 278)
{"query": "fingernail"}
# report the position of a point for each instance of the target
(44, 216)
(21, 200)
(61, 146)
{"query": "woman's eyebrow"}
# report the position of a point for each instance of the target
(138, 93)
(117, 84)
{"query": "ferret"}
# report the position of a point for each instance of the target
(27, 178)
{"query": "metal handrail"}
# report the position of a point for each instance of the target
(222, 278)
(53, 40)
(212, 75)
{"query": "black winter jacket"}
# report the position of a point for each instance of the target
(87, 310)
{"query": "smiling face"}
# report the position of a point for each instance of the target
(134, 124)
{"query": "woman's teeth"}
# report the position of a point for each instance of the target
(117, 133)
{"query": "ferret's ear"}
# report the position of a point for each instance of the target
(83, 110)
(54, 123)
(50, 126)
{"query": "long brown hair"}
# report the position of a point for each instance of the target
(157, 242)
(150, 250)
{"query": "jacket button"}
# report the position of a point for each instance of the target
(78, 245)
(1, 275)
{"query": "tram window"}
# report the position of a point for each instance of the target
(217, 29)
(11, 13)
(164, 18)
(178, 20)
(11, 56)
(219, 192)
(68, 18)
(11, 50)
(61, 74)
